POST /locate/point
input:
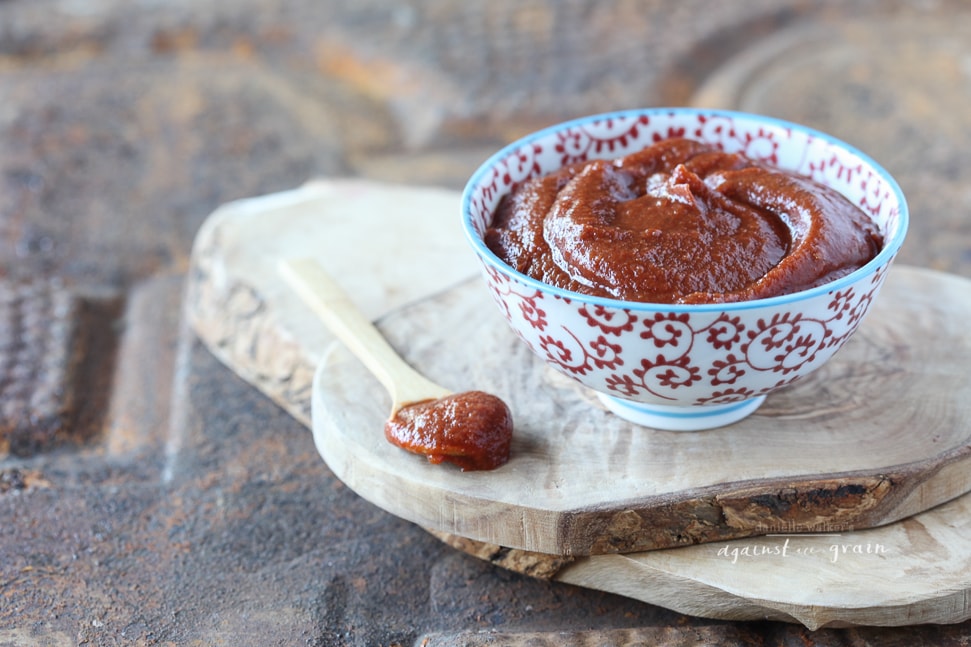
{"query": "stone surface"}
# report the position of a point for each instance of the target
(195, 511)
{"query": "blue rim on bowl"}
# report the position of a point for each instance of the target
(890, 248)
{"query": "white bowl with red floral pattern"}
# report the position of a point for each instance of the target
(686, 367)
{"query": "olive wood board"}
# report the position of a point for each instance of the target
(918, 570)
(879, 433)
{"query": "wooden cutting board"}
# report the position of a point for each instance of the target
(897, 455)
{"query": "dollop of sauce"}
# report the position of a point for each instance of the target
(680, 222)
(472, 430)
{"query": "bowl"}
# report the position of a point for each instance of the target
(685, 367)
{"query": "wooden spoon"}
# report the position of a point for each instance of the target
(334, 307)
(472, 430)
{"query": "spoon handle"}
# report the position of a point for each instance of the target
(336, 309)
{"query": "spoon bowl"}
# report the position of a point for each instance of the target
(473, 429)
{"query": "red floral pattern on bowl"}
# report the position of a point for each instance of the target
(686, 367)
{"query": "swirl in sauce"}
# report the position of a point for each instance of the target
(472, 430)
(680, 222)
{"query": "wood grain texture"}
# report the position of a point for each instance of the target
(253, 322)
(912, 572)
(919, 575)
(876, 435)
(915, 571)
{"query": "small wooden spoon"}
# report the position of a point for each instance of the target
(334, 307)
(472, 430)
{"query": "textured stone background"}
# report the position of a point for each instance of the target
(156, 499)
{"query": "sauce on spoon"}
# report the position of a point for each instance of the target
(472, 430)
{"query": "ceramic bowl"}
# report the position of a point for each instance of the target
(685, 367)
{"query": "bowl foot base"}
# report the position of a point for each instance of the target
(675, 418)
